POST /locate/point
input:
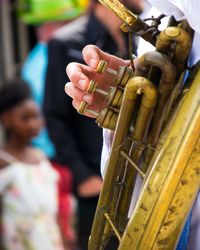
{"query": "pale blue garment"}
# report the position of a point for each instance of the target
(34, 72)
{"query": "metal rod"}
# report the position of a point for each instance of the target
(116, 110)
(111, 71)
(101, 91)
(82, 107)
(113, 226)
(141, 173)
(92, 112)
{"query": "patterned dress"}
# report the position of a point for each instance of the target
(29, 205)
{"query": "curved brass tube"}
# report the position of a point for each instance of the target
(143, 120)
(135, 86)
(166, 84)
(165, 87)
(157, 59)
(182, 47)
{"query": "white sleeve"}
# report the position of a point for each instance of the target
(107, 143)
(191, 10)
(144, 46)
(168, 8)
(180, 9)
(5, 178)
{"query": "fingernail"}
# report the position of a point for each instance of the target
(88, 99)
(93, 62)
(83, 84)
(66, 87)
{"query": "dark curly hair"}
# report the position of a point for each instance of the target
(13, 93)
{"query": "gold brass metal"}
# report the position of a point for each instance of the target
(156, 126)
(93, 88)
(123, 123)
(172, 184)
(183, 45)
(115, 97)
(107, 118)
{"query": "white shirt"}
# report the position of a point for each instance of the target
(29, 200)
(180, 9)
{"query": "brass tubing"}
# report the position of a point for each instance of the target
(152, 153)
(141, 127)
(187, 195)
(108, 186)
(119, 185)
(144, 118)
(157, 59)
(122, 127)
(182, 40)
(142, 122)
(106, 236)
(121, 214)
(164, 179)
(166, 84)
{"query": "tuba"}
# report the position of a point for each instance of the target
(155, 115)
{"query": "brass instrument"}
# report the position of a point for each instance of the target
(156, 124)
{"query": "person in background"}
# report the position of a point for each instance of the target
(47, 16)
(28, 183)
(77, 139)
(179, 9)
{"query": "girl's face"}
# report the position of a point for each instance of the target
(24, 120)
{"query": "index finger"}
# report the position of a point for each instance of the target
(92, 56)
(79, 74)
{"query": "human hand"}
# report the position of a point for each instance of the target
(80, 76)
(90, 187)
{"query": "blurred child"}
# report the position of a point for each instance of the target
(27, 180)
(47, 16)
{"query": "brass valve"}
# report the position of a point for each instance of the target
(93, 88)
(121, 77)
(107, 117)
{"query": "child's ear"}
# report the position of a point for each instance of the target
(6, 119)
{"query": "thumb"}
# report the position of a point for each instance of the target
(92, 55)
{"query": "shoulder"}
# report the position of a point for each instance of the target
(5, 158)
(72, 35)
(50, 171)
(38, 154)
(3, 164)
(72, 30)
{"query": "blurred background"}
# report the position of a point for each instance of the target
(16, 40)
(38, 38)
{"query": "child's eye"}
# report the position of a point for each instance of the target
(25, 117)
